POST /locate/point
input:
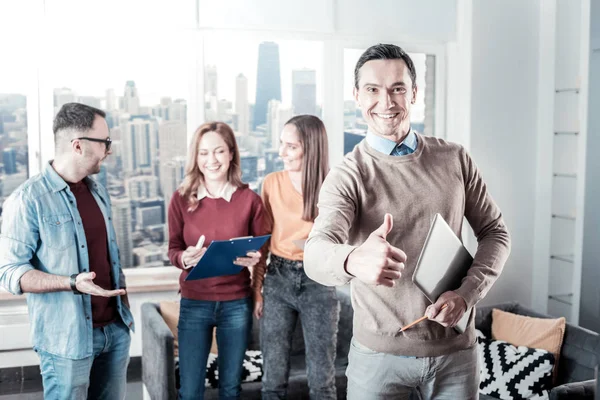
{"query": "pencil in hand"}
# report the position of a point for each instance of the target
(423, 318)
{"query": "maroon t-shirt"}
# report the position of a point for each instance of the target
(216, 219)
(104, 309)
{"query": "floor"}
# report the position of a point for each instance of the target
(25, 383)
(134, 392)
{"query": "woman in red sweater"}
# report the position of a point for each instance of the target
(214, 202)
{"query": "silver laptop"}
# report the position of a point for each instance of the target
(442, 265)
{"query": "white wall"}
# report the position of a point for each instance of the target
(504, 126)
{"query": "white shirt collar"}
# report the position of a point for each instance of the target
(226, 192)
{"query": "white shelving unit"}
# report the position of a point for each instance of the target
(562, 153)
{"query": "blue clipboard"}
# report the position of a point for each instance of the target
(220, 255)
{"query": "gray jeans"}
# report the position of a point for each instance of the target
(372, 375)
(290, 294)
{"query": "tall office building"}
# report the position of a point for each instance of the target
(9, 159)
(268, 81)
(131, 99)
(172, 140)
(121, 216)
(249, 166)
(63, 96)
(139, 144)
(111, 100)
(178, 111)
(171, 175)
(304, 91)
(277, 116)
(241, 104)
(148, 256)
(210, 80)
(142, 187)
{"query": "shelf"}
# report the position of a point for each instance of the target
(573, 133)
(564, 175)
(562, 216)
(569, 258)
(562, 298)
(567, 90)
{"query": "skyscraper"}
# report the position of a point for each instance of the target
(210, 80)
(111, 100)
(139, 137)
(63, 96)
(241, 104)
(9, 159)
(277, 116)
(268, 81)
(121, 211)
(304, 91)
(142, 187)
(131, 98)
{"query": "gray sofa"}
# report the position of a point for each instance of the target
(579, 356)
(158, 366)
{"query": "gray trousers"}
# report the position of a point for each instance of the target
(290, 294)
(378, 376)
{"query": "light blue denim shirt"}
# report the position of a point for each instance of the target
(389, 147)
(42, 229)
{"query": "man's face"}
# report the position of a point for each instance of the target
(93, 153)
(385, 94)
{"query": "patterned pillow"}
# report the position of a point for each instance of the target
(251, 372)
(509, 372)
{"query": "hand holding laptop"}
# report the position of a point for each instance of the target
(447, 310)
(376, 262)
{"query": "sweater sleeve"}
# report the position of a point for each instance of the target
(493, 238)
(176, 242)
(325, 253)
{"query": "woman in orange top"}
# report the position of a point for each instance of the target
(290, 198)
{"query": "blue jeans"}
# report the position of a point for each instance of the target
(197, 318)
(101, 376)
(290, 295)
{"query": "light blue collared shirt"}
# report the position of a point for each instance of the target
(389, 147)
(42, 230)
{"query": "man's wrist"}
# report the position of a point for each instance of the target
(73, 284)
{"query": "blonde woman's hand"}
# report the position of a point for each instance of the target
(191, 256)
(253, 257)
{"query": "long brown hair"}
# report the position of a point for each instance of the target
(194, 178)
(315, 161)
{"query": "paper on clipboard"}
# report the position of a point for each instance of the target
(300, 243)
(220, 255)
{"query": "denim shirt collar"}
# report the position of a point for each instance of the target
(387, 146)
(56, 182)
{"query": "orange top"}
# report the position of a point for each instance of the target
(284, 207)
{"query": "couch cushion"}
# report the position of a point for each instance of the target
(537, 333)
(509, 372)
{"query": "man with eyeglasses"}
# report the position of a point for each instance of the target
(59, 246)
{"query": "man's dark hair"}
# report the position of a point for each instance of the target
(385, 52)
(76, 116)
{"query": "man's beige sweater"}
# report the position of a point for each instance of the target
(439, 177)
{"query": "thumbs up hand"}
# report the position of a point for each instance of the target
(377, 262)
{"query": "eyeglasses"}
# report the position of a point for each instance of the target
(107, 142)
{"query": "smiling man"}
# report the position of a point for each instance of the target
(59, 246)
(399, 175)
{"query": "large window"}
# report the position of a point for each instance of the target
(422, 113)
(256, 89)
(14, 82)
(144, 90)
